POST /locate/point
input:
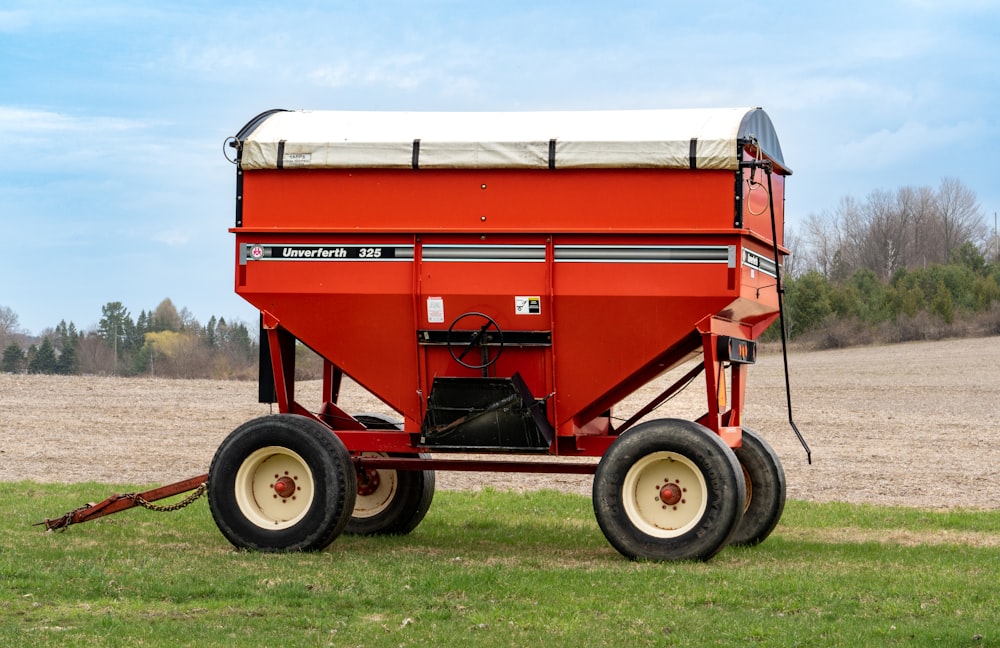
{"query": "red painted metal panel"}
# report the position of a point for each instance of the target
(605, 200)
(628, 270)
(357, 314)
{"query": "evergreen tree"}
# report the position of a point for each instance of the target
(115, 324)
(942, 303)
(68, 362)
(808, 302)
(118, 331)
(30, 355)
(66, 335)
(143, 324)
(968, 255)
(44, 361)
(210, 332)
(239, 344)
(13, 359)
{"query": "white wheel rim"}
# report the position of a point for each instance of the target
(263, 488)
(664, 473)
(373, 502)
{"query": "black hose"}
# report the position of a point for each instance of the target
(781, 314)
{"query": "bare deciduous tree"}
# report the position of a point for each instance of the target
(95, 356)
(960, 218)
(166, 317)
(918, 206)
(9, 325)
(910, 228)
(883, 242)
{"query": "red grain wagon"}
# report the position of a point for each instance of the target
(501, 281)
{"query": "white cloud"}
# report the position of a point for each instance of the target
(911, 141)
(43, 139)
(209, 58)
(402, 71)
(26, 123)
(172, 237)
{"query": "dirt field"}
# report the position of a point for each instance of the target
(910, 425)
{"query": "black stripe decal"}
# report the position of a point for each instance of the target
(486, 253)
(281, 154)
(762, 263)
(552, 154)
(334, 252)
(416, 154)
(693, 153)
(643, 254)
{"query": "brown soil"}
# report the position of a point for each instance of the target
(909, 425)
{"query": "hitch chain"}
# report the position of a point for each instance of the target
(92, 511)
(140, 501)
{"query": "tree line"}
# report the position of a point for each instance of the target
(914, 263)
(160, 342)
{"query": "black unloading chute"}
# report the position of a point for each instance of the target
(486, 414)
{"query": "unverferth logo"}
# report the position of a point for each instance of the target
(313, 253)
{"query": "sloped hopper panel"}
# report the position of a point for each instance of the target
(485, 414)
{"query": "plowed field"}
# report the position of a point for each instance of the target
(912, 425)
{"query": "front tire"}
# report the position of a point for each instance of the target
(669, 490)
(281, 483)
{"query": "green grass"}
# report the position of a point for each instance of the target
(495, 569)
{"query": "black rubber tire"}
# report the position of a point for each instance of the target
(765, 490)
(401, 499)
(648, 458)
(244, 505)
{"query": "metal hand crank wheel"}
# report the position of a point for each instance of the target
(479, 338)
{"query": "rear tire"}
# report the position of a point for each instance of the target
(281, 483)
(765, 480)
(389, 502)
(669, 490)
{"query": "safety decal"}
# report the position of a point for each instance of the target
(527, 305)
(435, 310)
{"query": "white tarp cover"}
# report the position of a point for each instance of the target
(518, 140)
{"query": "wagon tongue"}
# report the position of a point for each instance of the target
(121, 502)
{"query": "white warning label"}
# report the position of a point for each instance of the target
(435, 310)
(527, 305)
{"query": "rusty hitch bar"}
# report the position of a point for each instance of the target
(121, 502)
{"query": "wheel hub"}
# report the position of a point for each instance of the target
(368, 481)
(670, 494)
(284, 487)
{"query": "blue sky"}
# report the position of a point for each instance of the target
(113, 185)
